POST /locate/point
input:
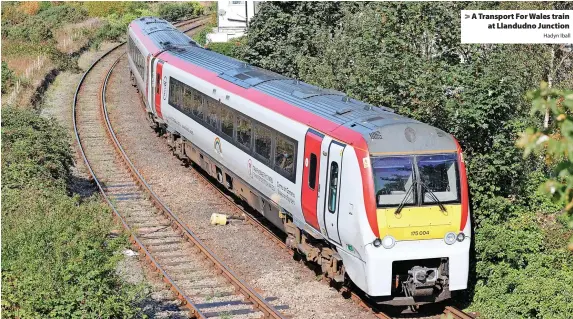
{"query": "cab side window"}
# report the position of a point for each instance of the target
(333, 187)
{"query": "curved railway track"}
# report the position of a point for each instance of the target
(203, 284)
(156, 231)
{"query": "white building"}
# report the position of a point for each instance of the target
(232, 19)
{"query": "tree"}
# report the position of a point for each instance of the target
(555, 144)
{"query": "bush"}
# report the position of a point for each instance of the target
(39, 28)
(8, 77)
(226, 48)
(105, 8)
(57, 260)
(201, 36)
(178, 11)
(35, 151)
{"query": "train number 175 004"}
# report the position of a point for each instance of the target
(420, 233)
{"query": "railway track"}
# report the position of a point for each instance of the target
(203, 285)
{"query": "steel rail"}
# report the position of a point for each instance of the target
(456, 313)
(134, 239)
(257, 300)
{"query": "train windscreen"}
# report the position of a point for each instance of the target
(407, 180)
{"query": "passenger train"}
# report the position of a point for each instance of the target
(367, 194)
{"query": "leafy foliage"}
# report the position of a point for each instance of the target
(226, 48)
(179, 10)
(57, 260)
(555, 143)
(39, 27)
(201, 36)
(8, 77)
(408, 56)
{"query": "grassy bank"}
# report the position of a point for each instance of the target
(58, 259)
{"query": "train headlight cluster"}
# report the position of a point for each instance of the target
(450, 238)
(377, 242)
(388, 242)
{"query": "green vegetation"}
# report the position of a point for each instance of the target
(555, 143)
(57, 258)
(179, 10)
(8, 77)
(201, 36)
(226, 48)
(408, 56)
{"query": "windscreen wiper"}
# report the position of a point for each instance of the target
(434, 197)
(403, 203)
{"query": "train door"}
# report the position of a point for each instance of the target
(310, 174)
(332, 190)
(158, 86)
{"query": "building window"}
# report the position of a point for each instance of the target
(284, 155)
(263, 142)
(333, 187)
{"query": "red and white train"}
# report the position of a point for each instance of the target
(368, 194)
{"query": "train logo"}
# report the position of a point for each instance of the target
(250, 168)
(217, 146)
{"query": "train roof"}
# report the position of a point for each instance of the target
(370, 121)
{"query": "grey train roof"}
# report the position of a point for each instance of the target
(371, 121)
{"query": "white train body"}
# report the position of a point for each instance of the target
(313, 164)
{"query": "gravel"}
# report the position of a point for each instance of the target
(259, 262)
(57, 104)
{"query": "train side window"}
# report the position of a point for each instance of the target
(198, 104)
(312, 171)
(227, 121)
(158, 83)
(244, 131)
(188, 100)
(333, 187)
(211, 112)
(173, 92)
(284, 155)
(179, 92)
(263, 142)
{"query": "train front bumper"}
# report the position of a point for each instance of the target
(378, 267)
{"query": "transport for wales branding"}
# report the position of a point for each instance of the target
(282, 190)
(217, 146)
(261, 176)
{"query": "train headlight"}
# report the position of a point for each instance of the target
(450, 238)
(388, 242)
(377, 242)
(461, 237)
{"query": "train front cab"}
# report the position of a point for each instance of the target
(421, 253)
